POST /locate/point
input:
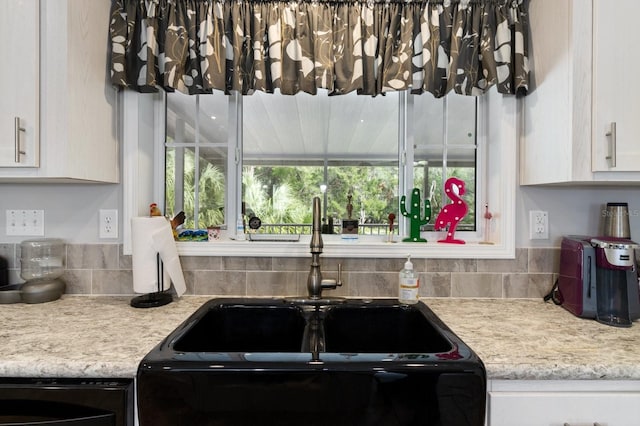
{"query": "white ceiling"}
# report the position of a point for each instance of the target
(344, 127)
(341, 126)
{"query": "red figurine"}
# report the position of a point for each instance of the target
(154, 210)
(392, 218)
(453, 212)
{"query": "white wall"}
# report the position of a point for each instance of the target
(71, 211)
(572, 211)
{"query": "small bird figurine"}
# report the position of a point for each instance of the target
(154, 210)
(177, 220)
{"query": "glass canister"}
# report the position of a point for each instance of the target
(41, 259)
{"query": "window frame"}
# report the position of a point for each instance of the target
(143, 147)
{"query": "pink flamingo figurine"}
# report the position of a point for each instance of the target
(453, 212)
(487, 225)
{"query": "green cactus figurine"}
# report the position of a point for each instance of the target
(414, 215)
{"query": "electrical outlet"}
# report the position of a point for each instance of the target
(538, 225)
(108, 223)
(25, 223)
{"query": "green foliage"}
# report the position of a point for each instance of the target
(283, 194)
(211, 191)
(374, 190)
(272, 195)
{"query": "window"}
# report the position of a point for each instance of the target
(197, 149)
(445, 144)
(210, 131)
(344, 149)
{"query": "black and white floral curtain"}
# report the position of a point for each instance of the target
(371, 46)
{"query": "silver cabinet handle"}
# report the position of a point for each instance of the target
(594, 424)
(612, 144)
(17, 130)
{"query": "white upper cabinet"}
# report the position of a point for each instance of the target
(78, 105)
(616, 105)
(582, 63)
(19, 84)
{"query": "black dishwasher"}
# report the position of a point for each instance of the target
(74, 402)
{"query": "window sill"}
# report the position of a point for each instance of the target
(334, 246)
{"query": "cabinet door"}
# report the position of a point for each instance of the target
(19, 87)
(615, 95)
(562, 408)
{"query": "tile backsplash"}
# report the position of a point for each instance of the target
(101, 269)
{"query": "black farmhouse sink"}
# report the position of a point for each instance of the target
(247, 327)
(281, 362)
(382, 328)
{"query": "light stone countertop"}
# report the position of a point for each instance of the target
(79, 336)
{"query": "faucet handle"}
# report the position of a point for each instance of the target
(331, 283)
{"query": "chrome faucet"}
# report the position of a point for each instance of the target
(315, 283)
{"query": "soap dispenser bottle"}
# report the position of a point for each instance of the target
(408, 284)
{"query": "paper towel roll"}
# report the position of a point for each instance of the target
(152, 236)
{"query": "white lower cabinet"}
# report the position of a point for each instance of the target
(563, 402)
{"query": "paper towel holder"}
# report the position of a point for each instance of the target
(157, 298)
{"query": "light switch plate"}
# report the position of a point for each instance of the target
(27, 223)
